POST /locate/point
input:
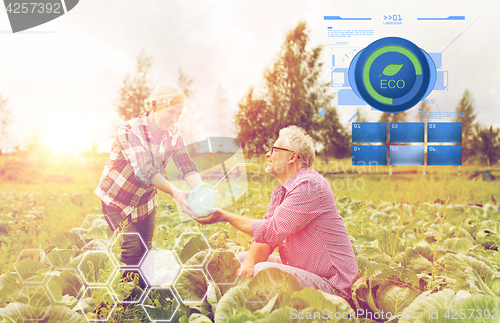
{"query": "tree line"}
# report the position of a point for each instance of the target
(292, 93)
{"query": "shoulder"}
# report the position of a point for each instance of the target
(132, 132)
(311, 185)
(308, 177)
(131, 126)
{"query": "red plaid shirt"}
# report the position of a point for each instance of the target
(125, 183)
(303, 220)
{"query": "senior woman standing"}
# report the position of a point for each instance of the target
(134, 171)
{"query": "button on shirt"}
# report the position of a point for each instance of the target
(303, 220)
(134, 160)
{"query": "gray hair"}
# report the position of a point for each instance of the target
(166, 94)
(297, 140)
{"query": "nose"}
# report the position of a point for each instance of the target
(268, 154)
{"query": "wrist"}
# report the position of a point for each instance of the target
(174, 190)
(226, 216)
(248, 262)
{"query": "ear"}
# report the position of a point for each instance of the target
(294, 158)
(153, 105)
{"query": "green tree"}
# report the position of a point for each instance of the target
(336, 142)
(466, 115)
(135, 89)
(255, 128)
(487, 144)
(292, 95)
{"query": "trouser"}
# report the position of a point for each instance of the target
(305, 278)
(132, 248)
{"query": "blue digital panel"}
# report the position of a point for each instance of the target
(407, 131)
(444, 155)
(444, 132)
(369, 155)
(369, 132)
(407, 155)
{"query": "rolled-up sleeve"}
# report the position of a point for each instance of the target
(136, 155)
(182, 159)
(257, 230)
(298, 209)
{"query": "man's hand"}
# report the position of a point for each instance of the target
(244, 271)
(258, 252)
(246, 267)
(217, 215)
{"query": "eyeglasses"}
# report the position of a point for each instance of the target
(272, 150)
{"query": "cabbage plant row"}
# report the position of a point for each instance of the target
(427, 262)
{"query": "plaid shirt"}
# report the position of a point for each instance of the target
(303, 220)
(134, 160)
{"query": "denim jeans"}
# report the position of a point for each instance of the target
(305, 278)
(132, 248)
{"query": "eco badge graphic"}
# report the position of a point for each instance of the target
(392, 74)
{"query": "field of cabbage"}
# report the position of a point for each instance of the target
(428, 261)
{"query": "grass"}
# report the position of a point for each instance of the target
(61, 206)
(374, 183)
(39, 213)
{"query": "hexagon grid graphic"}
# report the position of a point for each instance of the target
(95, 232)
(35, 296)
(98, 295)
(114, 247)
(92, 263)
(75, 286)
(29, 262)
(160, 267)
(188, 244)
(128, 277)
(184, 283)
(166, 298)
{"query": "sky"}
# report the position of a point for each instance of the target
(62, 78)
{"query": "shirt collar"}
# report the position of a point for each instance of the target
(147, 128)
(291, 181)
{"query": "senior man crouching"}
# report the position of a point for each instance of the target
(302, 219)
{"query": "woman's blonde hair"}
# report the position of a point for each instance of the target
(297, 140)
(165, 94)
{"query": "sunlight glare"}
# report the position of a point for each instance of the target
(65, 134)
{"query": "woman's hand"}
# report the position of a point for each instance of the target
(181, 197)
